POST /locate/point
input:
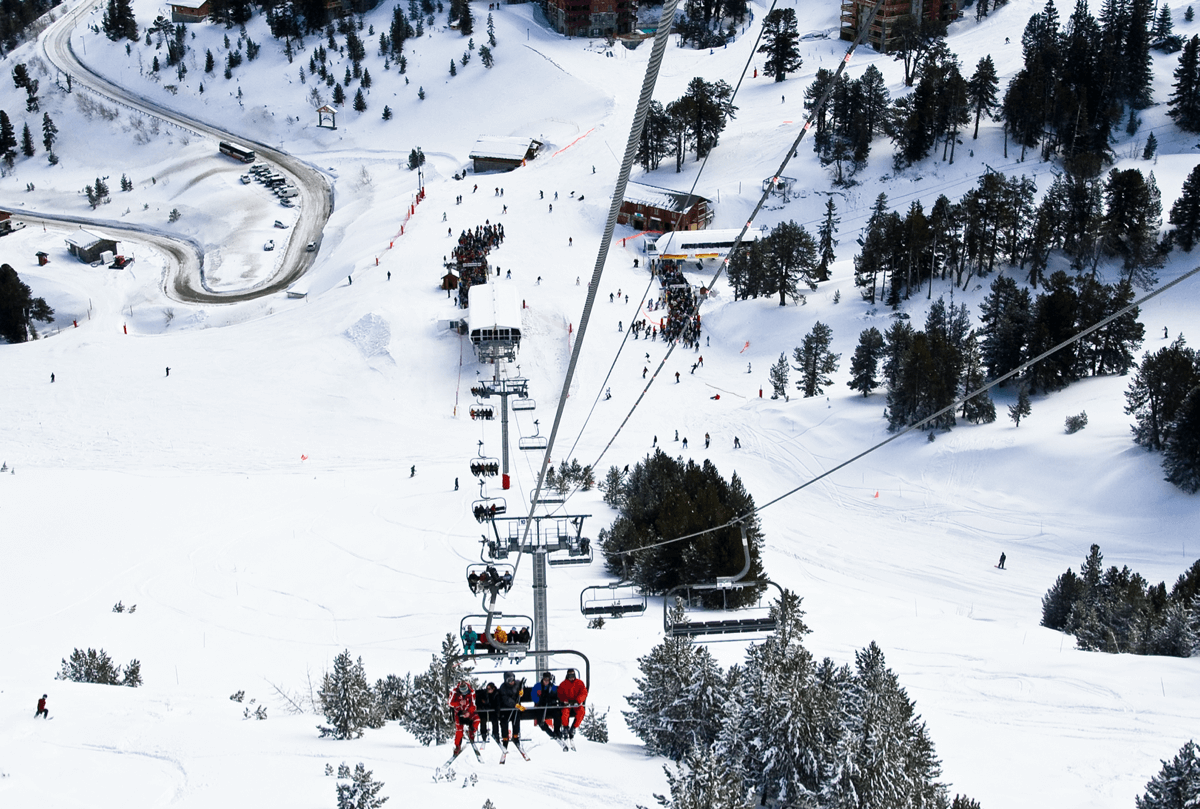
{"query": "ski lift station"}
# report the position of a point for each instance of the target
(494, 319)
(682, 245)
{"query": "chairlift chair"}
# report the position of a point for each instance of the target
(482, 411)
(486, 508)
(483, 573)
(614, 600)
(483, 466)
(523, 403)
(728, 620)
(535, 442)
(571, 548)
(549, 497)
(510, 649)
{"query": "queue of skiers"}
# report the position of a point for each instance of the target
(497, 713)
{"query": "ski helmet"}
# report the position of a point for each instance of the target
(570, 674)
(464, 687)
(509, 677)
(547, 676)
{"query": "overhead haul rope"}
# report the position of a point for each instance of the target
(631, 145)
(820, 105)
(918, 424)
(678, 221)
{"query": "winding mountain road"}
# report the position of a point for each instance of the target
(185, 280)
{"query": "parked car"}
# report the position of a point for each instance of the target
(280, 225)
(287, 203)
(311, 247)
(270, 245)
(246, 179)
(287, 191)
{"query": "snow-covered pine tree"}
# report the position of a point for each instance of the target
(705, 779)
(428, 717)
(393, 694)
(778, 376)
(92, 666)
(362, 791)
(894, 757)
(678, 704)
(132, 675)
(613, 487)
(1177, 784)
(777, 679)
(594, 727)
(347, 700)
(1181, 455)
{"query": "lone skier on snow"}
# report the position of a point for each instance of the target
(462, 702)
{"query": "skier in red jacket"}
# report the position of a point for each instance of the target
(462, 702)
(572, 690)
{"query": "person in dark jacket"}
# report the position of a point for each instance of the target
(545, 696)
(486, 704)
(42, 711)
(508, 707)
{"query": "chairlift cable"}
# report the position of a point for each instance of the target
(916, 425)
(635, 135)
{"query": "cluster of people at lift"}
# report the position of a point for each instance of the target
(497, 712)
(484, 468)
(487, 511)
(470, 256)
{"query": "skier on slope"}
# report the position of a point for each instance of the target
(486, 703)
(573, 694)
(462, 702)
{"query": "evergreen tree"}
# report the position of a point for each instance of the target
(1060, 599)
(778, 376)
(871, 260)
(1189, 15)
(979, 409)
(825, 241)
(1163, 26)
(427, 717)
(18, 307)
(655, 143)
(1185, 213)
(1181, 454)
(676, 707)
(815, 361)
(393, 694)
(790, 259)
(27, 141)
(210, 62)
(1184, 104)
(491, 31)
(8, 140)
(1177, 784)
(453, 68)
(362, 791)
(1131, 224)
(703, 111)
(387, 113)
(781, 44)
(1021, 408)
(1157, 391)
(893, 763)
(666, 497)
(704, 778)
(1151, 147)
(360, 101)
(91, 666)
(1005, 317)
(347, 700)
(864, 365)
(339, 95)
(485, 56)
(981, 90)
(118, 22)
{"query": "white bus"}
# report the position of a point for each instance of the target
(236, 152)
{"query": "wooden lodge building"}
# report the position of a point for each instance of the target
(647, 207)
(881, 36)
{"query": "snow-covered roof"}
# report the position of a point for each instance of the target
(662, 198)
(86, 238)
(192, 4)
(504, 148)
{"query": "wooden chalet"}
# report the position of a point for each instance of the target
(591, 18)
(647, 207)
(190, 10)
(503, 154)
(88, 246)
(881, 36)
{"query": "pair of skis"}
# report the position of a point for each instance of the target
(504, 750)
(446, 771)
